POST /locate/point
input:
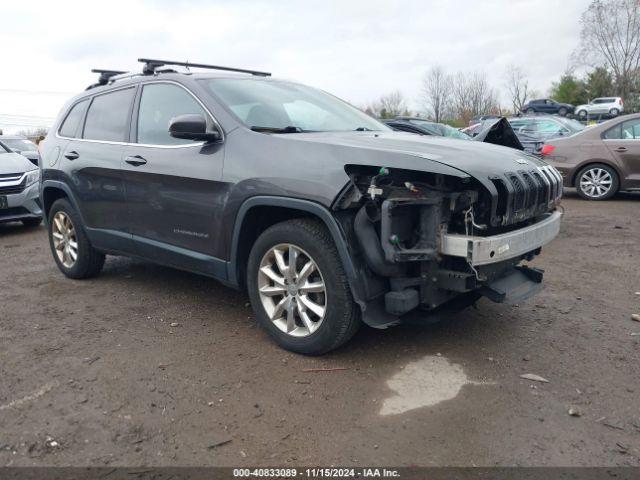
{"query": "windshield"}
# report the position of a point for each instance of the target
(4, 149)
(289, 107)
(19, 144)
(442, 129)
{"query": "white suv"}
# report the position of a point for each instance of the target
(601, 106)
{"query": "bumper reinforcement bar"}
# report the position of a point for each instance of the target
(496, 248)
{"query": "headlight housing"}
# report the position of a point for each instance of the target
(32, 177)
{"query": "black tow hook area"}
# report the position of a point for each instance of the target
(517, 285)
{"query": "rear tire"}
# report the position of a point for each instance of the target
(614, 112)
(288, 307)
(597, 182)
(31, 222)
(68, 239)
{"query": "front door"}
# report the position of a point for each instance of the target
(173, 187)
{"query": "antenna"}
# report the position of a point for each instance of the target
(151, 64)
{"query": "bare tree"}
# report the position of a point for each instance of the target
(472, 95)
(518, 87)
(610, 32)
(33, 132)
(436, 90)
(390, 105)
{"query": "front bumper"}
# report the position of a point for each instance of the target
(497, 248)
(23, 205)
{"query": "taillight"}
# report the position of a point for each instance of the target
(547, 149)
(621, 102)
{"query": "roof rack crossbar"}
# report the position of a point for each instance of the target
(105, 75)
(152, 64)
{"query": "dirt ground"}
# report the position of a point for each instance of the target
(147, 365)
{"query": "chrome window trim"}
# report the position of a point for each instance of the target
(133, 144)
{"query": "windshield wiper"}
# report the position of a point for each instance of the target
(288, 129)
(363, 129)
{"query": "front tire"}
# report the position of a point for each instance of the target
(597, 182)
(70, 246)
(562, 112)
(298, 288)
(582, 114)
(529, 111)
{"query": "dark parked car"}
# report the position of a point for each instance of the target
(600, 160)
(547, 105)
(326, 216)
(23, 146)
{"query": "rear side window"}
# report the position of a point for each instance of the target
(159, 103)
(631, 130)
(70, 125)
(613, 133)
(108, 116)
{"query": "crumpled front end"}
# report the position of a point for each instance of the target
(431, 243)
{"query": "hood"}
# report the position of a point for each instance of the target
(14, 163)
(478, 159)
(499, 132)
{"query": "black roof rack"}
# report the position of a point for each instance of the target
(104, 77)
(152, 64)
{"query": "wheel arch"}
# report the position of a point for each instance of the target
(591, 162)
(53, 190)
(251, 221)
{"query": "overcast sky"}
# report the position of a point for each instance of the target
(356, 49)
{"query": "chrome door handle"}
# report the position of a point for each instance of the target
(621, 149)
(135, 160)
(72, 155)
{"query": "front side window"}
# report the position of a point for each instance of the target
(108, 116)
(277, 105)
(159, 103)
(70, 125)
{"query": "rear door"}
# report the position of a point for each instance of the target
(92, 160)
(173, 186)
(600, 106)
(623, 141)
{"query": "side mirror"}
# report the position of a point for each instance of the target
(192, 127)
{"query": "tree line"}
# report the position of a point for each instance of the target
(608, 49)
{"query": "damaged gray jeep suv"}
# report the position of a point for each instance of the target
(326, 216)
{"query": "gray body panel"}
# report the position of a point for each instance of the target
(184, 207)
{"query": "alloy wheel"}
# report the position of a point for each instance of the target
(64, 239)
(596, 182)
(292, 290)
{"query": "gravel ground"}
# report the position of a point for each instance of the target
(147, 365)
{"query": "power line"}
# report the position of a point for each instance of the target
(36, 92)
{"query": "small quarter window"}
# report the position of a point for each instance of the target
(70, 125)
(613, 133)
